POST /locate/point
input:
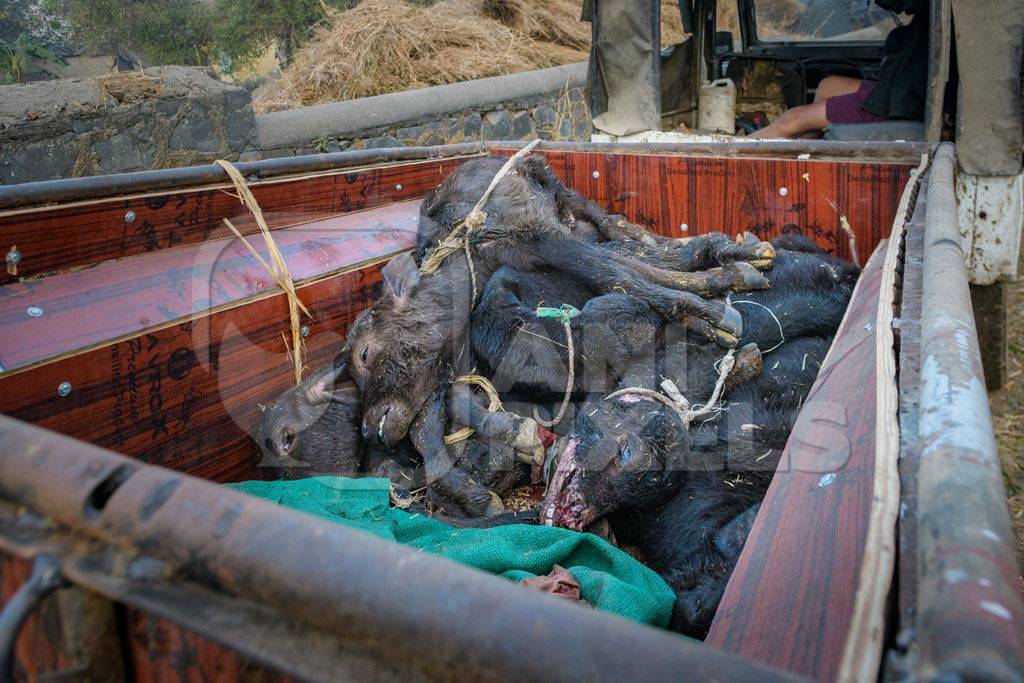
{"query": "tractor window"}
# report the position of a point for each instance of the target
(818, 20)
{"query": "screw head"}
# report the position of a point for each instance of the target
(684, 227)
(398, 186)
(34, 311)
(826, 480)
(783, 191)
(304, 331)
(13, 257)
(129, 217)
(596, 174)
(64, 389)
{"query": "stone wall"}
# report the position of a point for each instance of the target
(180, 116)
(169, 116)
(548, 103)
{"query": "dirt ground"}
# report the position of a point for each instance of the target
(1008, 417)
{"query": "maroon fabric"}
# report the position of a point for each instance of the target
(847, 108)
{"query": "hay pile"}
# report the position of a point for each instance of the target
(382, 46)
(775, 18)
(129, 87)
(1008, 413)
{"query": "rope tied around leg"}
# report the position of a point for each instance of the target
(565, 313)
(459, 238)
(492, 394)
(674, 399)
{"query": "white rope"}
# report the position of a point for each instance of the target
(674, 399)
(772, 314)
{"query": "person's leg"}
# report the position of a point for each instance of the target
(834, 86)
(795, 122)
(809, 118)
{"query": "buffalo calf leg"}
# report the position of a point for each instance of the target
(518, 432)
(712, 319)
(450, 482)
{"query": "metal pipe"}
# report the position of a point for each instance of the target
(970, 612)
(818, 150)
(385, 599)
(48, 192)
(44, 579)
(108, 186)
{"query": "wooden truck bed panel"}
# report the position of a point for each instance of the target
(89, 232)
(155, 377)
(113, 300)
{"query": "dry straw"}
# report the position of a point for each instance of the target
(493, 407)
(383, 46)
(277, 268)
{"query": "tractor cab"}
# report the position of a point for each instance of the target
(744, 63)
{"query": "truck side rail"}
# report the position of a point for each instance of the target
(402, 609)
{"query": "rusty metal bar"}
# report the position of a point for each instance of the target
(449, 621)
(109, 186)
(818, 150)
(45, 579)
(970, 623)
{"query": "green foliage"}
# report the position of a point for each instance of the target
(232, 33)
(165, 31)
(247, 28)
(15, 56)
(40, 20)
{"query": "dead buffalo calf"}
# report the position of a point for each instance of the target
(685, 494)
(314, 429)
(406, 344)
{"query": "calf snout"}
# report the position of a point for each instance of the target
(375, 422)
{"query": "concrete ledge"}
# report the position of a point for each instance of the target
(172, 116)
(353, 118)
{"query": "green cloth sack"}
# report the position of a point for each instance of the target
(609, 578)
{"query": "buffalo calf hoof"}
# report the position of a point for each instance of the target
(726, 332)
(528, 446)
(748, 239)
(731, 322)
(750, 277)
(749, 365)
(495, 506)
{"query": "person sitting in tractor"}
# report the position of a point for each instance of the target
(898, 93)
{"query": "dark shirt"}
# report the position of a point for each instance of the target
(902, 80)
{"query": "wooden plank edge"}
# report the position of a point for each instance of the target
(271, 292)
(862, 652)
(228, 187)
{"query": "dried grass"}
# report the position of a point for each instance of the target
(128, 87)
(1008, 416)
(383, 46)
(774, 19)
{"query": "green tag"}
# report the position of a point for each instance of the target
(565, 312)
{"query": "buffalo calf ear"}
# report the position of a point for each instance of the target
(401, 274)
(322, 386)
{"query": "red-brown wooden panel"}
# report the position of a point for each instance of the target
(187, 396)
(731, 195)
(86, 307)
(58, 238)
(791, 596)
(163, 652)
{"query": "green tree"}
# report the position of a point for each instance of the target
(38, 20)
(247, 28)
(16, 55)
(163, 31)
